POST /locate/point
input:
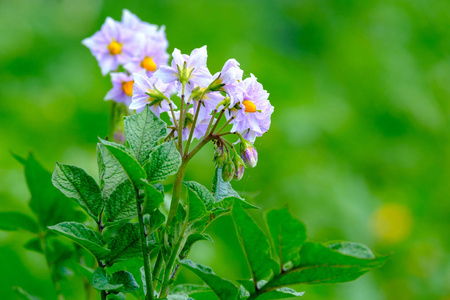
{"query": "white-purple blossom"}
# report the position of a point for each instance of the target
(200, 127)
(249, 154)
(252, 114)
(187, 68)
(122, 89)
(231, 77)
(210, 101)
(132, 22)
(150, 91)
(114, 45)
(240, 167)
(152, 56)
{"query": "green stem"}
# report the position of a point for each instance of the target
(173, 115)
(225, 125)
(225, 133)
(191, 133)
(170, 264)
(199, 146)
(218, 120)
(103, 294)
(145, 252)
(211, 121)
(176, 193)
(227, 143)
(157, 269)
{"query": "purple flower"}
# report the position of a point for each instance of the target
(152, 56)
(249, 154)
(200, 127)
(239, 166)
(252, 115)
(132, 22)
(122, 89)
(210, 101)
(150, 91)
(113, 45)
(187, 68)
(231, 77)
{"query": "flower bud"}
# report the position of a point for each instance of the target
(228, 171)
(239, 166)
(220, 157)
(249, 153)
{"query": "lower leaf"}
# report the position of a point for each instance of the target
(223, 288)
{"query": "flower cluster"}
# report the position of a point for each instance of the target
(132, 46)
(200, 105)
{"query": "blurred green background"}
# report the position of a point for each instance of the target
(358, 148)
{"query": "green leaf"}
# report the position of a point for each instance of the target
(128, 163)
(280, 293)
(196, 208)
(321, 264)
(153, 220)
(12, 221)
(179, 297)
(164, 161)
(254, 243)
(126, 279)
(288, 234)
(82, 235)
(249, 285)
(201, 192)
(34, 245)
(126, 244)
(118, 296)
(143, 131)
(22, 294)
(100, 281)
(47, 202)
(20, 159)
(187, 289)
(222, 189)
(110, 170)
(206, 295)
(75, 183)
(121, 204)
(191, 240)
(223, 288)
(227, 203)
(352, 249)
(153, 199)
(176, 228)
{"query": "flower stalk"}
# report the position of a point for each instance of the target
(145, 251)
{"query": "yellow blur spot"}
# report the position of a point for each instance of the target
(115, 48)
(148, 64)
(127, 87)
(392, 222)
(250, 107)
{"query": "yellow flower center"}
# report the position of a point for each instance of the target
(115, 48)
(127, 87)
(250, 107)
(148, 64)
